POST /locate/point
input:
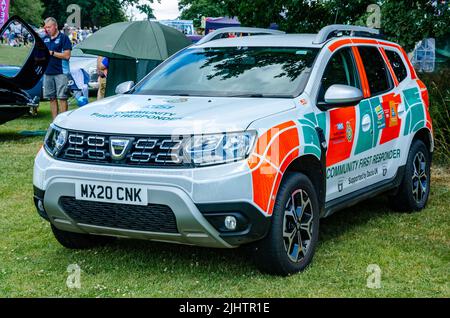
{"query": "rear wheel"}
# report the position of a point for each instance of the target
(415, 188)
(79, 241)
(290, 244)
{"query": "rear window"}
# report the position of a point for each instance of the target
(397, 65)
(376, 70)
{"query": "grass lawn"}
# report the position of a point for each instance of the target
(14, 55)
(412, 250)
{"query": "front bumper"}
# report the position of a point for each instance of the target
(198, 198)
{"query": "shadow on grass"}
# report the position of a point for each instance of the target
(148, 257)
(12, 136)
(155, 256)
(350, 218)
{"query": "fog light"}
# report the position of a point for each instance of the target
(230, 223)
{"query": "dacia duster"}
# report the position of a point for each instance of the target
(244, 140)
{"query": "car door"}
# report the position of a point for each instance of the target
(340, 123)
(379, 145)
(24, 50)
(35, 55)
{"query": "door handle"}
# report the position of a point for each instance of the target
(366, 122)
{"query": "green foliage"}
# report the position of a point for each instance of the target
(145, 8)
(29, 10)
(296, 15)
(439, 92)
(94, 12)
(196, 9)
(403, 21)
(407, 22)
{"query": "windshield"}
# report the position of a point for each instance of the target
(232, 71)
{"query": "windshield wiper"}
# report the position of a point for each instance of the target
(180, 94)
(246, 95)
(260, 96)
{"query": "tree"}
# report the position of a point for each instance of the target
(143, 7)
(402, 21)
(29, 10)
(307, 16)
(94, 12)
(146, 9)
(196, 9)
(407, 21)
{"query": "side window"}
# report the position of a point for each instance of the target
(376, 70)
(341, 69)
(397, 65)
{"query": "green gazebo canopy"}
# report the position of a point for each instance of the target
(134, 49)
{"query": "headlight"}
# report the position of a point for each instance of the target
(219, 148)
(55, 139)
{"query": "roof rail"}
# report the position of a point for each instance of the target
(331, 31)
(255, 31)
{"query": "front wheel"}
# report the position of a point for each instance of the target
(290, 244)
(415, 188)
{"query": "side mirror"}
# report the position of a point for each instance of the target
(124, 87)
(342, 95)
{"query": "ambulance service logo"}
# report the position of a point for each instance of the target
(349, 132)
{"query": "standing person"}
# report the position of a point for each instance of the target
(74, 36)
(84, 33)
(102, 71)
(55, 79)
(66, 29)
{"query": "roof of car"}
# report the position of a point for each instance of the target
(282, 40)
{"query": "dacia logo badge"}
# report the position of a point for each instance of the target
(119, 147)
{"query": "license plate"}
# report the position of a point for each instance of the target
(111, 192)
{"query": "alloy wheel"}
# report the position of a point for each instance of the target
(298, 225)
(419, 178)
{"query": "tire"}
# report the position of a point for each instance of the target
(271, 253)
(77, 241)
(414, 190)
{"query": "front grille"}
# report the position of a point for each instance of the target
(146, 151)
(151, 218)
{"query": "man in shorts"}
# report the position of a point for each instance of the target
(55, 79)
